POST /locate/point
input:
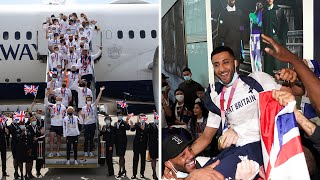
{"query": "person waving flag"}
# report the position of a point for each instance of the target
(32, 89)
(280, 140)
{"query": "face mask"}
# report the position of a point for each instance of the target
(187, 78)
(108, 122)
(180, 175)
(56, 52)
(156, 121)
(235, 77)
(180, 98)
(71, 52)
(73, 71)
(81, 46)
(57, 23)
(70, 113)
(163, 88)
(89, 102)
(58, 102)
(119, 117)
(87, 27)
(33, 123)
(22, 127)
(142, 121)
(81, 32)
(54, 79)
(64, 85)
(76, 39)
(68, 32)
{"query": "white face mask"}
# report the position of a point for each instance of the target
(89, 102)
(56, 52)
(58, 102)
(108, 122)
(179, 174)
(156, 121)
(180, 98)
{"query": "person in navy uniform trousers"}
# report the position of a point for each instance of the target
(140, 144)
(153, 145)
(107, 133)
(36, 131)
(24, 150)
(14, 130)
(3, 147)
(121, 127)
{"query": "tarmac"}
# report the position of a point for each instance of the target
(88, 174)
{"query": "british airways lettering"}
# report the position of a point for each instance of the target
(24, 52)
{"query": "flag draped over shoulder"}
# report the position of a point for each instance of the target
(280, 139)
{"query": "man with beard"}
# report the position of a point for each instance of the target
(238, 101)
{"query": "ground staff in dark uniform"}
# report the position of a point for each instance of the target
(39, 123)
(14, 130)
(107, 133)
(153, 145)
(24, 150)
(3, 147)
(35, 131)
(121, 127)
(140, 144)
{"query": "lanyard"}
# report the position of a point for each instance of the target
(84, 92)
(63, 92)
(58, 107)
(223, 115)
(71, 120)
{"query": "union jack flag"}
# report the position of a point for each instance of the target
(3, 119)
(32, 89)
(156, 115)
(130, 115)
(19, 116)
(122, 104)
(280, 139)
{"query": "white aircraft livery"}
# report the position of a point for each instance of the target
(128, 34)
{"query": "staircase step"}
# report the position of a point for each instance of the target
(72, 165)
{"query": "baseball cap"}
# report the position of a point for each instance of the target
(172, 146)
(164, 76)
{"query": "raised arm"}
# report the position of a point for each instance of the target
(99, 95)
(204, 140)
(309, 80)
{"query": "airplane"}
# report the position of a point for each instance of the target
(128, 34)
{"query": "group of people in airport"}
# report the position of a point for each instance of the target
(146, 138)
(192, 124)
(25, 139)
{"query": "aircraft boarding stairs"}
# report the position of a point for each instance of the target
(60, 162)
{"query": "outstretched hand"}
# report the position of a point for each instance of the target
(278, 51)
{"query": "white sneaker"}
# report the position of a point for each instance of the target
(76, 162)
(50, 155)
(58, 154)
(68, 162)
(85, 154)
(91, 154)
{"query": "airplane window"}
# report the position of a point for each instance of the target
(131, 34)
(120, 34)
(17, 35)
(29, 35)
(154, 34)
(5, 35)
(142, 34)
(109, 34)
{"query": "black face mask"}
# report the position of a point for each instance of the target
(82, 85)
(81, 46)
(70, 113)
(64, 19)
(64, 85)
(70, 39)
(73, 71)
(71, 52)
(164, 84)
(76, 39)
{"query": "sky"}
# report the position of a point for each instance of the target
(73, 1)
